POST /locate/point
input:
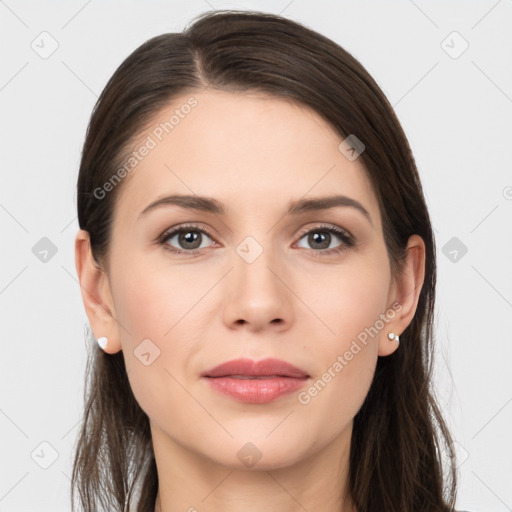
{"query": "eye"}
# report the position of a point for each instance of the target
(188, 237)
(321, 238)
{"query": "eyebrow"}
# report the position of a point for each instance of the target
(300, 206)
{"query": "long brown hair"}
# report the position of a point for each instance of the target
(399, 437)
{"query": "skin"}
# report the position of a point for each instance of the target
(255, 154)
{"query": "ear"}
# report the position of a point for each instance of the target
(96, 294)
(404, 294)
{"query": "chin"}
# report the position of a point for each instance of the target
(260, 454)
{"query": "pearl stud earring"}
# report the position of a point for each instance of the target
(393, 336)
(102, 342)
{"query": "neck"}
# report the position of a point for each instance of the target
(190, 482)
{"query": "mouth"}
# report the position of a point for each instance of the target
(255, 382)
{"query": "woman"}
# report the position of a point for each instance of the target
(257, 265)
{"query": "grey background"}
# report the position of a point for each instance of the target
(455, 108)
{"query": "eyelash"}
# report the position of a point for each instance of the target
(347, 239)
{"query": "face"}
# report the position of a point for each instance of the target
(252, 281)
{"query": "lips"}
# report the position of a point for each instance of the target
(249, 369)
(255, 382)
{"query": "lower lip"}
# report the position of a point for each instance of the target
(256, 391)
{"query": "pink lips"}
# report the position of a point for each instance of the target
(255, 382)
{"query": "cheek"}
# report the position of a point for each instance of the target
(346, 361)
(156, 301)
(349, 300)
(163, 305)
(156, 343)
(350, 305)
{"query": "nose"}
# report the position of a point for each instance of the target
(258, 294)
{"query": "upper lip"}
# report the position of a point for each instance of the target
(261, 368)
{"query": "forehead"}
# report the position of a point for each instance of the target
(248, 150)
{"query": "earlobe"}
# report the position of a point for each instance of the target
(405, 293)
(96, 296)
